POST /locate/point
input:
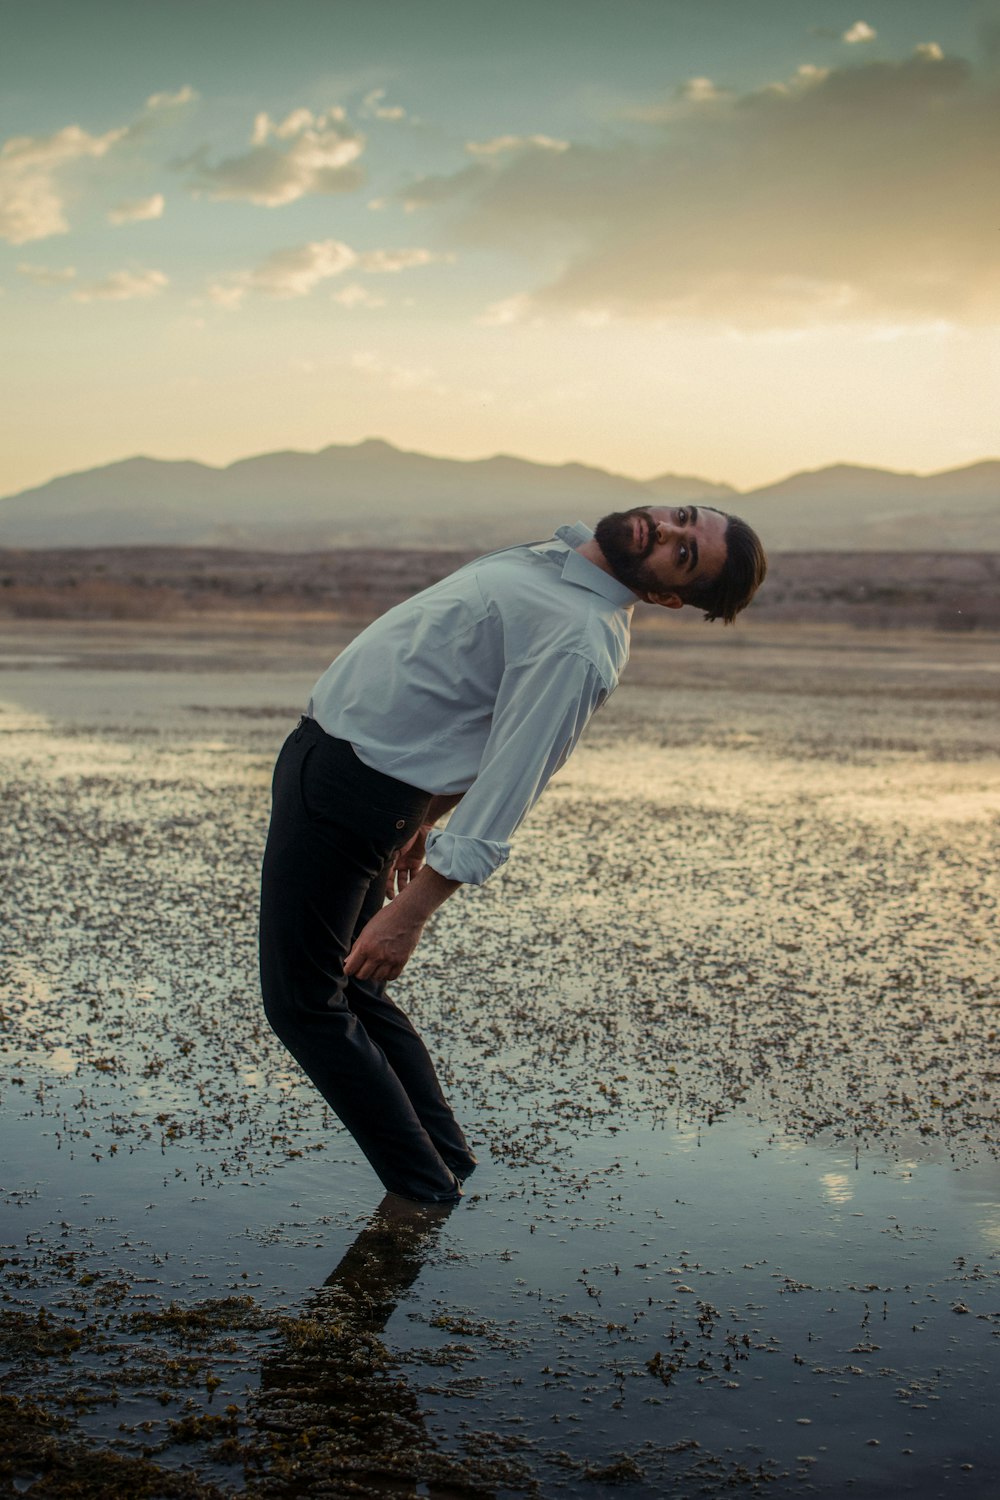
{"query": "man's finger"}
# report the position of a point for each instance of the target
(359, 965)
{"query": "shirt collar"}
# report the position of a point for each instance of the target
(581, 570)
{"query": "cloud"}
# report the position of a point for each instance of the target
(858, 192)
(398, 377)
(32, 168)
(699, 89)
(356, 295)
(122, 286)
(228, 295)
(505, 312)
(134, 210)
(177, 100)
(47, 275)
(296, 271)
(160, 111)
(392, 261)
(372, 106)
(859, 32)
(290, 159)
(692, 93)
(31, 203)
(696, 93)
(501, 143)
(806, 76)
(427, 191)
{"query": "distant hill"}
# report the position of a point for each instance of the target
(845, 508)
(373, 494)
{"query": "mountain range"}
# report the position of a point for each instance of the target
(374, 494)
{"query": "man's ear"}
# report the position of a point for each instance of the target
(668, 601)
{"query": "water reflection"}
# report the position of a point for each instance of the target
(836, 1187)
(61, 1060)
(333, 1402)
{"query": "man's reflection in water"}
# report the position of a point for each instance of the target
(332, 1406)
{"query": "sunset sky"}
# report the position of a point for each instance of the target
(730, 238)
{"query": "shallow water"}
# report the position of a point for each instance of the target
(723, 1033)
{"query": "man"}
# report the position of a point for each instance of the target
(469, 696)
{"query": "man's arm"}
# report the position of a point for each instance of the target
(410, 859)
(386, 942)
(541, 710)
(438, 806)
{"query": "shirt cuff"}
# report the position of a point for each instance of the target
(472, 861)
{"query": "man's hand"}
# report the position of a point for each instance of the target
(385, 943)
(408, 863)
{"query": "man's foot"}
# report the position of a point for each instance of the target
(465, 1168)
(397, 1208)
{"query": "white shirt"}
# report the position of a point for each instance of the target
(482, 684)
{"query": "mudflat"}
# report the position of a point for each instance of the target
(881, 591)
(723, 1033)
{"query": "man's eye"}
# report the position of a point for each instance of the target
(682, 516)
(683, 554)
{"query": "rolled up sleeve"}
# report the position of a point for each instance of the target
(541, 710)
(459, 857)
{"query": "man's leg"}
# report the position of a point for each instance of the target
(316, 876)
(391, 1029)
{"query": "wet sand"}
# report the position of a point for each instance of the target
(723, 1032)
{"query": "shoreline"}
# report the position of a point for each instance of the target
(957, 592)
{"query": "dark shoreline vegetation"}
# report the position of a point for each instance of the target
(956, 591)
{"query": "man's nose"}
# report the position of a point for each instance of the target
(665, 531)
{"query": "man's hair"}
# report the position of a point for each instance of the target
(741, 575)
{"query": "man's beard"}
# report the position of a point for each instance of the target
(613, 535)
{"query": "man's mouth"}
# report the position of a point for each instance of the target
(642, 535)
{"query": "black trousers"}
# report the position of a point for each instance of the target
(336, 826)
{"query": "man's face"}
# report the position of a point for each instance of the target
(653, 549)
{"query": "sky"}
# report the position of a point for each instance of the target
(728, 238)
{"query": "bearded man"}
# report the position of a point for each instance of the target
(468, 696)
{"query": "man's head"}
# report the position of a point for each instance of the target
(684, 554)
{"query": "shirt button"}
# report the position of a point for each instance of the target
(400, 822)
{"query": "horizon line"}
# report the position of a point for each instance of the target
(492, 457)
